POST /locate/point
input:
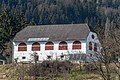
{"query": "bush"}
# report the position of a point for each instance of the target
(47, 68)
(90, 67)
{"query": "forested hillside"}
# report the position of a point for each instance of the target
(65, 11)
(16, 14)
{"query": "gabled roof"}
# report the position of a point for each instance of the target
(54, 32)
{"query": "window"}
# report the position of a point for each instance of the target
(76, 45)
(62, 45)
(36, 46)
(24, 57)
(22, 47)
(93, 36)
(49, 46)
(90, 45)
(95, 47)
(91, 55)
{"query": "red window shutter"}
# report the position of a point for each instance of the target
(49, 46)
(76, 45)
(36, 46)
(62, 46)
(22, 47)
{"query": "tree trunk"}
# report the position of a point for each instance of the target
(108, 71)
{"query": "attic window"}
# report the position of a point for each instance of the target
(93, 36)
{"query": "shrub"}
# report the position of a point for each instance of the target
(90, 67)
(47, 68)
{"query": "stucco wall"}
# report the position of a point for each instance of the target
(43, 53)
(93, 41)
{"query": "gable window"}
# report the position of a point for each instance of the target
(36, 46)
(90, 45)
(62, 45)
(22, 47)
(95, 47)
(76, 45)
(49, 46)
(93, 36)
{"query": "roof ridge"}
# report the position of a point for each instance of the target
(55, 25)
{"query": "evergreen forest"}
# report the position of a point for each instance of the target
(17, 14)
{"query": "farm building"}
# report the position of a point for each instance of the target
(54, 42)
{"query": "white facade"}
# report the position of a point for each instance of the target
(44, 53)
(93, 41)
(55, 53)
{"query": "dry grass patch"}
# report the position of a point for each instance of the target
(19, 72)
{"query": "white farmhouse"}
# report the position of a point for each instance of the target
(54, 42)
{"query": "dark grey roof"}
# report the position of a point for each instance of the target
(54, 32)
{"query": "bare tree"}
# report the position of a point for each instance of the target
(115, 34)
(110, 42)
